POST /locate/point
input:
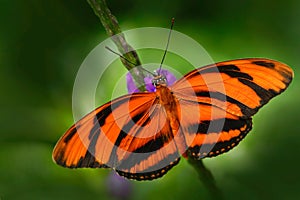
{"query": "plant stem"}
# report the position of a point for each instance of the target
(113, 29)
(206, 178)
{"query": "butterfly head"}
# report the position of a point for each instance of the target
(159, 80)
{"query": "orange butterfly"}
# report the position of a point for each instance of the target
(205, 113)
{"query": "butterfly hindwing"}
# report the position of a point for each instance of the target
(213, 132)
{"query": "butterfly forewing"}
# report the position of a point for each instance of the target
(249, 84)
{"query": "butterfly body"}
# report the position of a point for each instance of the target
(169, 104)
(205, 113)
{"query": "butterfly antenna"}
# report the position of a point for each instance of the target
(163, 58)
(109, 49)
(134, 64)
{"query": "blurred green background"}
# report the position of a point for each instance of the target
(43, 43)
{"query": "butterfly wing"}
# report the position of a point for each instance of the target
(227, 94)
(127, 134)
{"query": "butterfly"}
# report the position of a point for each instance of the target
(205, 113)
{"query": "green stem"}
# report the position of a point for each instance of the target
(206, 178)
(113, 29)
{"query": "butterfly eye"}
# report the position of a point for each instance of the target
(164, 80)
(154, 82)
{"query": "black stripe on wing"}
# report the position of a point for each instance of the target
(153, 172)
(198, 151)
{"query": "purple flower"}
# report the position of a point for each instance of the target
(118, 187)
(148, 81)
